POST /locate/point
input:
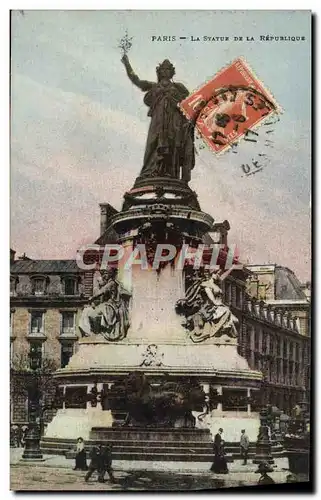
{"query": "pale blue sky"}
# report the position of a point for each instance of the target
(79, 126)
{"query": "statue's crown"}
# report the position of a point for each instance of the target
(166, 64)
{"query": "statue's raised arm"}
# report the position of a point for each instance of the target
(169, 150)
(144, 85)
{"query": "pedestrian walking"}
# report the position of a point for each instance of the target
(81, 458)
(244, 446)
(106, 464)
(219, 465)
(263, 469)
(95, 462)
(24, 434)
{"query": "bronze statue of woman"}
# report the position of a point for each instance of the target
(170, 143)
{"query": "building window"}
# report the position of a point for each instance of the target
(253, 289)
(13, 285)
(285, 372)
(67, 350)
(70, 286)
(39, 285)
(248, 339)
(238, 297)
(265, 340)
(67, 322)
(285, 349)
(36, 322)
(278, 371)
(233, 295)
(290, 373)
(11, 350)
(228, 293)
(272, 345)
(35, 354)
(267, 369)
(256, 341)
(11, 322)
(262, 292)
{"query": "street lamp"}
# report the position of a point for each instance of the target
(32, 450)
(263, 444)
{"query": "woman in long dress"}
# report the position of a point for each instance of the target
(219, 465)
(81, 462)
(170, 142)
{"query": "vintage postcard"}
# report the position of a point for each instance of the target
(160, 273)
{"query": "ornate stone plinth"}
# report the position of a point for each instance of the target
(209, 364)
(164, 190)
(207, 359)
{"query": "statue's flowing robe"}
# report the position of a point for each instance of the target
(111, 316)
(205, 310)
(169, 134)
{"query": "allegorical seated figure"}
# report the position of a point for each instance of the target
(169, 148)
(205, 313)
(108, 311)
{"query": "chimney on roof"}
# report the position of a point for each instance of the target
(221, 229)
(24, 257)
(106, 214)
(12, 256)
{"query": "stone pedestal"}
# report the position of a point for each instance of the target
(161, 211)
(153, 317)
(207, 362)
(73, 423)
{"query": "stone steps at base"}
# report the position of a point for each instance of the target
(107, 436)
(164, 444)
(124, 453)
(175, 457)
(157, 457)
(134, 444)
(155, 448)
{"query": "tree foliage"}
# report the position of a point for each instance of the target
(37, 384)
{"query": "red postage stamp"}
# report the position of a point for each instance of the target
(228, 106)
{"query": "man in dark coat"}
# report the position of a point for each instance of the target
(106, 464)
(95, 461)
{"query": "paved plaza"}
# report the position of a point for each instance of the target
(55, 474)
